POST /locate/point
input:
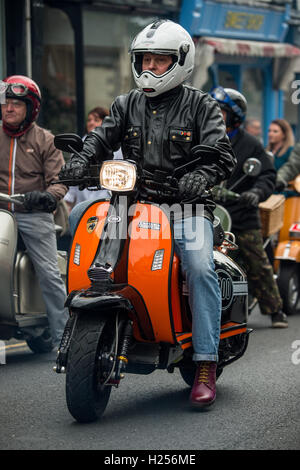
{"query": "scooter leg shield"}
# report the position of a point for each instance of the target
(85, 244)
(8, 248)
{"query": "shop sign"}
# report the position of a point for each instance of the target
(212, 18)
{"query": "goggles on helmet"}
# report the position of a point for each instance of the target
(221, 96)
(14, 89)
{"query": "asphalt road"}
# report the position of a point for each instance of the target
(257, 407)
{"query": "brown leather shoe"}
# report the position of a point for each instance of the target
(204, 389)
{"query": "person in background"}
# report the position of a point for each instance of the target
(253, 127)
(281, 141)
(244, 212)
(75, 196)
(95, 118)
(29, 162)
(289, 170)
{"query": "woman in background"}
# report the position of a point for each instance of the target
(281, 141)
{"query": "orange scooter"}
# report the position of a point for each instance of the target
(129, 310)
(287, 252)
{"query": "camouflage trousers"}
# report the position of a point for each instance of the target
(253, 259)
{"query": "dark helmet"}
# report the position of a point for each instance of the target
(233, 102)
(24, 89)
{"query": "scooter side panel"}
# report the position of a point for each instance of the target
(30, 300)
(149, 263)
(291, 215)
(234, 289)
(85, 245)
(8, 247)
(288, 250)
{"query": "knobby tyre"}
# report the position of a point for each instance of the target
(86, 394)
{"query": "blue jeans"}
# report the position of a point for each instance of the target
(194, 246)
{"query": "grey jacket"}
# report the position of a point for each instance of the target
(291, 168)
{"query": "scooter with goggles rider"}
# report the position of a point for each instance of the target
(287, 251)
(22, 311)
(121, 254)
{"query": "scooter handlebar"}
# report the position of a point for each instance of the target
(13, 198)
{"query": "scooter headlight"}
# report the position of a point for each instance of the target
(118, 175)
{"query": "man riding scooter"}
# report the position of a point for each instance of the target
(244, 212)
(29, 162)
(159, 126)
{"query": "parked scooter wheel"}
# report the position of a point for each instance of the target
(86, 394)
(41, 344)
(289, 286)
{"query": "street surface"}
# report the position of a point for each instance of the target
(257, 407)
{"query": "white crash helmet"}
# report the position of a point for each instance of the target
(162, 37)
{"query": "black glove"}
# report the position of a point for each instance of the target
(280, 185)
(192, 184)
(249, 199)
(42, 201)
(73, 170)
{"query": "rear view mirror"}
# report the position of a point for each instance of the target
(252, 167)
(68, 142)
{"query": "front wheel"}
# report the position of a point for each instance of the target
(86, 393)
(289, 287)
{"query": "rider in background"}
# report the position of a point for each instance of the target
(244, 212)
(159, 125)
(29, 162)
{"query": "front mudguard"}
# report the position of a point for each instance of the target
(99, 303)
(80, 305)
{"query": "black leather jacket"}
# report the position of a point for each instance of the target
(161, 132)
(247, 146)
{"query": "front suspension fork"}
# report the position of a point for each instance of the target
(121, 360)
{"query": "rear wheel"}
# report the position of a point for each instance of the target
(87, 395)
(289, 287)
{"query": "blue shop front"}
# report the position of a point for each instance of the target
(243, 47)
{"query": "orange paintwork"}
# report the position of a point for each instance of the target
(185, 339)
(77, 275)
(152, 285)
(289, 249)
(234, 332)
(175, 294)
(291, 215)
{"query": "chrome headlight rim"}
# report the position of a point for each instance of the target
(121, 166)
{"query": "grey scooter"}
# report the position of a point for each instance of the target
(22, 309)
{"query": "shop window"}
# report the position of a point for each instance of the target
(107, 68)
(253, 92)
(58, 73)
